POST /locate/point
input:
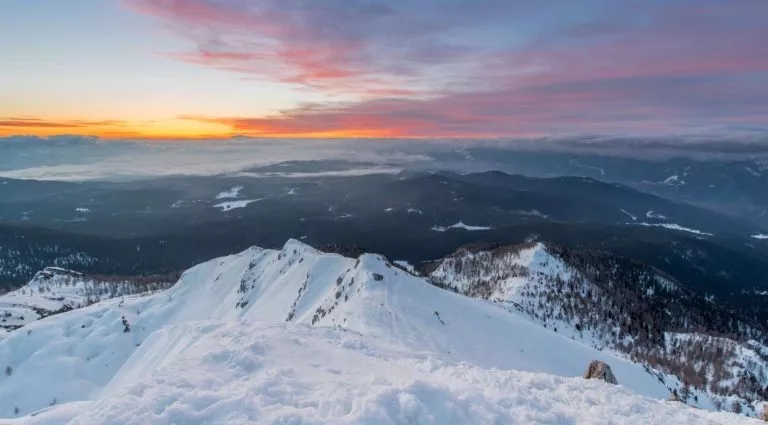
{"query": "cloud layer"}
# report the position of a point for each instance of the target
(489, 68)
(86, 158)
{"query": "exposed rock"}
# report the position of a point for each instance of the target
(674, 397)
(764, 415)
(600, 370)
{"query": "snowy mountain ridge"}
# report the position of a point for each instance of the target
(613, 303)
(367, 342)
(55, 290)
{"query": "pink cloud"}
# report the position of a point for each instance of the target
(430, 68)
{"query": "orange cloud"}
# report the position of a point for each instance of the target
(113, 129)
(33, 123)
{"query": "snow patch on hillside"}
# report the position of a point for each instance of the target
(760, 236)
(672, 226)
(460, 225)
(234, 192)
(673, 180)
(653, 214)
(231, 205)
(630, 215)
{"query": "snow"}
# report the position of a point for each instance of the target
(407, 266)
(249, 373)
(652, 214)
(231, 205)
(760, 236)
(532, 213)
(82, 210)
(415, 211)
(390, 209)
(509, 287)
(673, 226)
(634, 218)
(753, 172)
(366, 343)
(673, 180)
(234, 192)
(57, 289)
(460, 225)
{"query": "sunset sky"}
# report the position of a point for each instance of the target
(382, 68)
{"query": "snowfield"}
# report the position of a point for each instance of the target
(760, 236)
(365, 343)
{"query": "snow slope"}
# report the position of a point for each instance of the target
(388, 348)
(512, 272)
(246, 373)
(55, 290)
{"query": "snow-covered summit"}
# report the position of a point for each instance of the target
(499, 274)
(386, 347)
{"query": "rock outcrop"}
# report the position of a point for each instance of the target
(600, 370)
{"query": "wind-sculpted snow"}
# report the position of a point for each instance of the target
(388, 347)
(256, 373)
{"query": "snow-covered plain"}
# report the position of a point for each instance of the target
(366, 343)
